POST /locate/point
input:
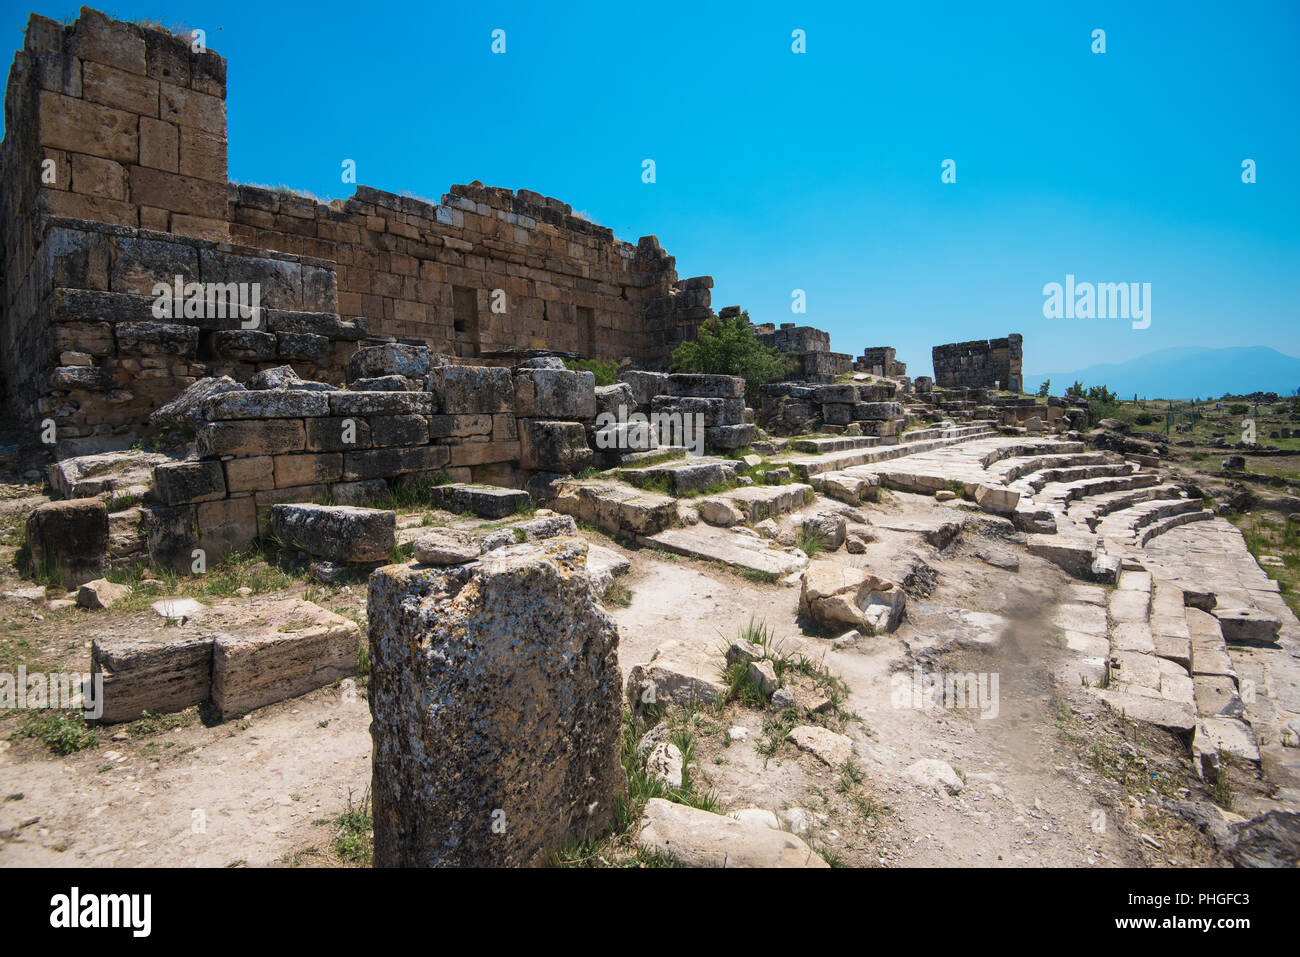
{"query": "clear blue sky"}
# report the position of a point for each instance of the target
(821, 171)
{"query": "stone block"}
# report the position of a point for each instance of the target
(267, 404)
(300, 647)
(555, 394)
(339, 533)
(383, 463)
(251, 437)
(69, 539)
(505, 669)
(176, 483)
(470, 389)
(553, 446)
(343, 403)
(160, 671)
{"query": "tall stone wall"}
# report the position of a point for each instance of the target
(487, 270)
(881, 360)
(114, 177)
(980, 364)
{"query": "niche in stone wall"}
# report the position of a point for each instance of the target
(464, 321)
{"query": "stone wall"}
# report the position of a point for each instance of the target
(113, 177)
(881, 360)
(810, 348)
(980, 364)
(96, 357)
(485, 271)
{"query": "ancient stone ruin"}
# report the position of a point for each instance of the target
(980, 364)
(341, 472)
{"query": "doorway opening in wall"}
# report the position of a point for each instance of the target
(587, 330)
(464, 321)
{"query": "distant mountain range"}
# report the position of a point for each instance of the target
(1186, 372)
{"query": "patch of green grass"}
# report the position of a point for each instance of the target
(617, 594)
(810, 543)
(355, 840)
(63, 732)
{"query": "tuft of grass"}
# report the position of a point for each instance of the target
(355, 840)
(810, 543)
(617, 594)
(63, 732)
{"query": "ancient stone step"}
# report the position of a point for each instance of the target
(1065, 493)
(1091, 511)
(613, 506)
(757, 502)
(485, 501)
(808, 467)
(733, 548)
(1172, 522)
(688, 477)
(1037, 481)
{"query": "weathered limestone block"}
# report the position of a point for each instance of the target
(841, 394)
(445, 546)
(553, 446)
(250, 437)
(391, 358)
(171, 535)
(495, 697)
(835, 595)
(714, 412)
(117, 473)
(695, 838)
(163, 670)
(705, 386)
(555, 394)
(615, 508)
(460, 426)
(176, 483)
(398, 460)
(343, 403)
(610, 399)
(293, 647)
(337, 434)
(727, 438)
(485, 501)
(385, 383)
(157, 338)
(469, 389)
(1248, 626)
(388, 430)
(247, 345)
(340, 533)
(869, 411)
(188, 410)
(644, 385)
(283, 377)
(266, 404)
(828, 528)
(301, 345)
(69, 539)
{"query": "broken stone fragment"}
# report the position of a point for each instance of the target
(746, 651)
(834, 595)
(664, 764)
(829, 747)
(101, 593)
(829, 529)
(186, 411)
(445, 546)
(763, 675)
(935, 775)
(695, 838)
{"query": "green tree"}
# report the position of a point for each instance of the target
(1045, 389)
(1076, 389)
(730, 347)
